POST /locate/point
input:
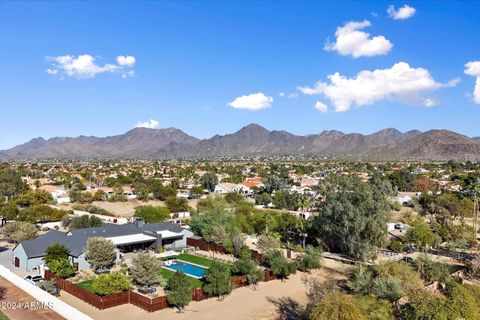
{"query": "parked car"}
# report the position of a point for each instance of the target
(34, 279)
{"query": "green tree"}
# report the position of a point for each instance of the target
(9, 210)
(42, 212)
(286, 200)
(11, 184)
(234, 198)
(85, 221)
(274, 183)
(145, 270)
(217, 280)
(421, 235)
(175, 204)
(100, 252)
(152, 214)
(263, 199)
(161, 192)
(111, 283)
(23, 231)
(32, 198)
(209, 181)
(352, 218)
(179, 290)
(279, 265)
(56, 251)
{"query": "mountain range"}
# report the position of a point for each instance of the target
(253, 140)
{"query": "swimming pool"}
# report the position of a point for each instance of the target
(190, 269)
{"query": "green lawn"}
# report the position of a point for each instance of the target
(195, 259)
(87, 285)
(167, 274)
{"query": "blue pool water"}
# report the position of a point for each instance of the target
(188, 268)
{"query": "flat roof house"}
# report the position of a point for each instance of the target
(29, 254)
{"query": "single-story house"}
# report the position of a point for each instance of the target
(226, 187)
(29, 254)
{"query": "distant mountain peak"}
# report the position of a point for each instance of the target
(388, 131)
(252, 139)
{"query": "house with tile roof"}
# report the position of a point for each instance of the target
(29, 255)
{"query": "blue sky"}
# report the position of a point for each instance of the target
(192, 60)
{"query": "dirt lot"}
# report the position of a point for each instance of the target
(126, 209)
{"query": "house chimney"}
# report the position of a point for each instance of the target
(139, 222)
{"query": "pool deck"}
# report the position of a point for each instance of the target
(186, 262)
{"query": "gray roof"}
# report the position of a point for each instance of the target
(76, 240)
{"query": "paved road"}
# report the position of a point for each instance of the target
(19, 305)
(6, 261)
(6, 257)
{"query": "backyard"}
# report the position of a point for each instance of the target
(194, 259)
(167, 274)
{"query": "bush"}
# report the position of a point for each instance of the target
(396, 246)
(61, 267)
(111, 283)
(388, 288)
(311, 259)
(337, 306)
(375, 309)
(409, 278)
(431, 271)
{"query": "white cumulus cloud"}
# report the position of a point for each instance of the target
(350, 40)
(472, 68)
(402, 13)
(322, 107)
(86, 67)
(254, 101)
(128, 61)
(400, 82)
(151, 124)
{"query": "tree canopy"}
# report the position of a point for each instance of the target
(352, 217)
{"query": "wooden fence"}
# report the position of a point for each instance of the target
(147, 303)
(201, 244)
(99, 302)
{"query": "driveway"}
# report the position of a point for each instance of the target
(6, 259)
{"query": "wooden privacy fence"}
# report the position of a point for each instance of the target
(201, 244)
(99, 302)
(148, 304)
